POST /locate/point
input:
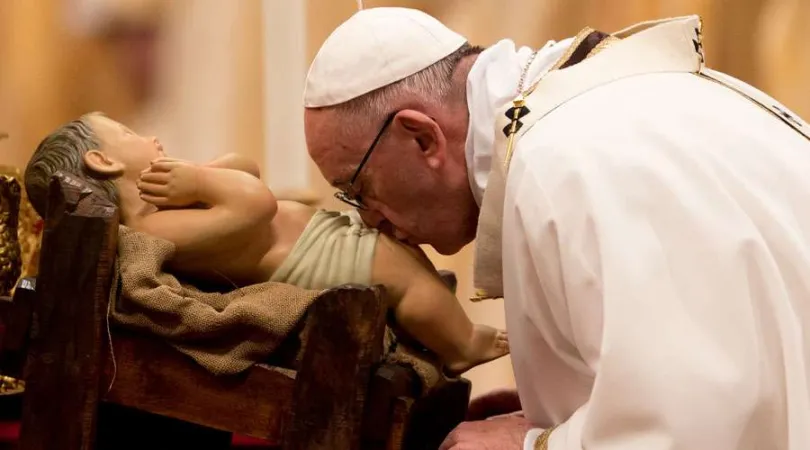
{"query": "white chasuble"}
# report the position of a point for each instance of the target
(653, 227)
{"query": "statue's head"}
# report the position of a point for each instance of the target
(107, 155)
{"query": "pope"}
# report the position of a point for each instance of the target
(642, 216)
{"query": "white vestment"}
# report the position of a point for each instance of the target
(656, 268)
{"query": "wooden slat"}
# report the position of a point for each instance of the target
(399, 421)
(152, 376)
(62, 382)
(343, 343)
(389, 383)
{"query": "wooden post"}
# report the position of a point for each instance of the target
(391, 392)
(69, 318)
(343, 344)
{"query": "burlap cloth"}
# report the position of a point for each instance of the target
(226, 332)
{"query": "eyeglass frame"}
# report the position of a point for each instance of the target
(355, 200)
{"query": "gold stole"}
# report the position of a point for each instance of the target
(586, 44)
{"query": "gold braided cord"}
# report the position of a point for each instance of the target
(542, 441)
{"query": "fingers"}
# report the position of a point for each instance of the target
(155, 177)
(161, 165)
(449, 442)
(493, 404)
(463, 437)
(153, 186)
(168, 159)
(154, 189)
(518, 414)
(155, 200)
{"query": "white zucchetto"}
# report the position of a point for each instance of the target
(375, 48)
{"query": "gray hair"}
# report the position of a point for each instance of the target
(64, 150)
(433, 84)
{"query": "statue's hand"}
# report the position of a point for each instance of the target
(170, 183)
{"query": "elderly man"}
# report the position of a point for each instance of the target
(643, 217)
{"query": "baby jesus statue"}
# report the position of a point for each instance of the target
(226, 223)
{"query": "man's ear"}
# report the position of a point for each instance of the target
(427, 134)
(98, 162)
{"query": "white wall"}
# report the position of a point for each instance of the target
(286, 163)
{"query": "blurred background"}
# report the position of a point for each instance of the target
(216, 76)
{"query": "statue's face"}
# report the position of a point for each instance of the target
(122, 145)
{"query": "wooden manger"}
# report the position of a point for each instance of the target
(54, 335)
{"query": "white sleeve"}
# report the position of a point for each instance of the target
(657, 289)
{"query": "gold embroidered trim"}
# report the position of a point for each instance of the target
(481, 295)
(542, 441)
(578, 39)
(520, 101)
(581, 36)
(788, 119)
(606, 42)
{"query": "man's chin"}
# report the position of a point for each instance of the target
(446, 249)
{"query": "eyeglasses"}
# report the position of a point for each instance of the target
(355, 200)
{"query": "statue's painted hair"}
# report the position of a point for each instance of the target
(64, 150)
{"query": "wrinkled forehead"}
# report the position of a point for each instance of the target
(331, 147)
(337, 164)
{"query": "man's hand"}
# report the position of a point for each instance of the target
(170, 183)
(502, 433)
(494, 403)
